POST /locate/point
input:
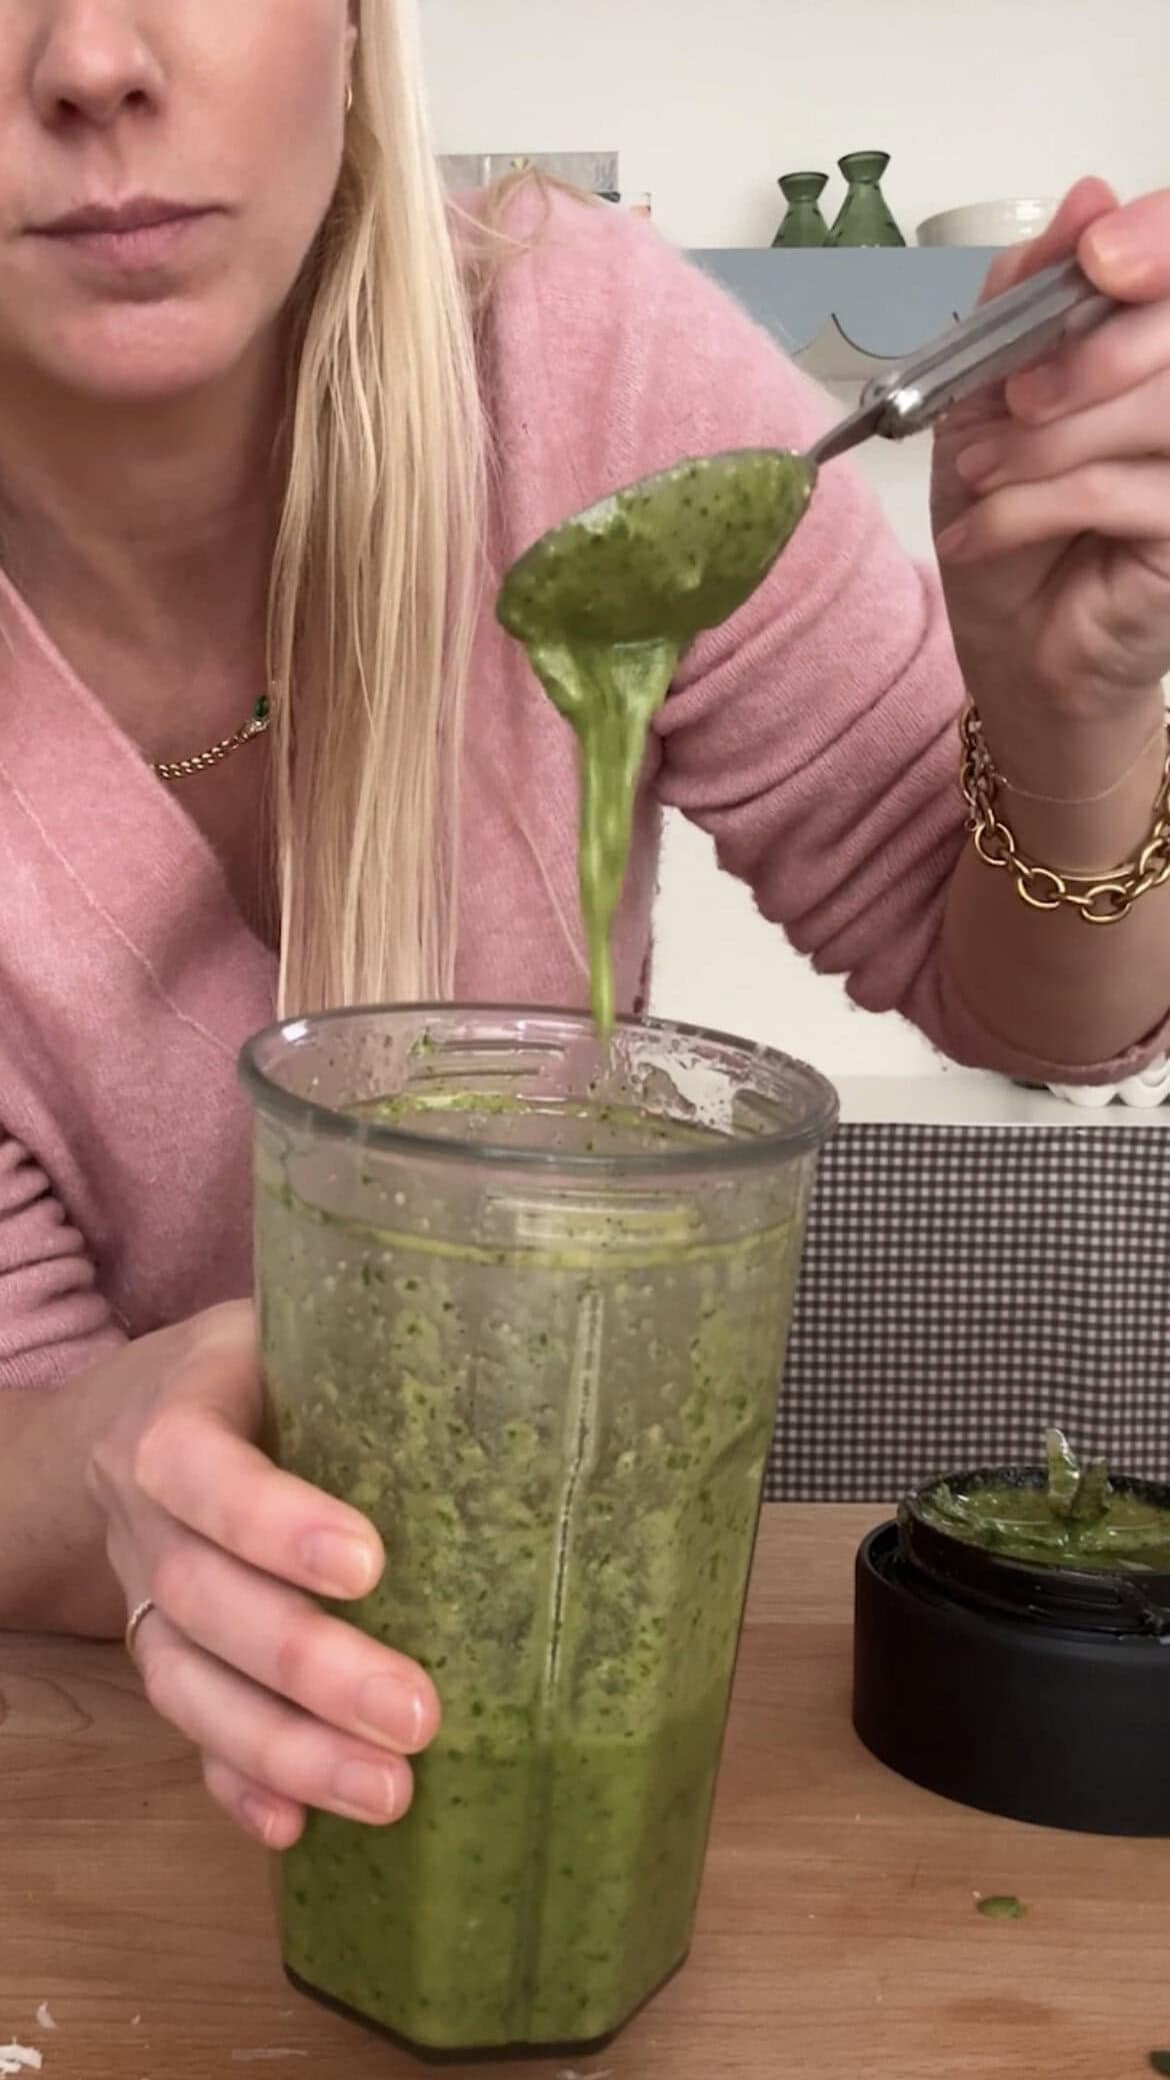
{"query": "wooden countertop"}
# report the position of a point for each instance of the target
(838, 1937)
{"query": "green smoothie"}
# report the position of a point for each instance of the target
(605, 607)
(561, 1438)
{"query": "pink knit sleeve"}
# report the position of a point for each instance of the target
(814, 735)
(53, 1320)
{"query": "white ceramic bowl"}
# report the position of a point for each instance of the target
(989, 223)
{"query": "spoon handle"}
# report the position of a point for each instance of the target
(1000, 338)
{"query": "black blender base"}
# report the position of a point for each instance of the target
(1043, 1723)
(494, 2054)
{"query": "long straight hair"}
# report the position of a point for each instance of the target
(378, 569)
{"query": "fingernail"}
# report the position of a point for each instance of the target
(976, 462)
(341, 1564)
(261, 1818)
(1125, 254)
(391, 1711)
(950, 542)
(365, 1791)
(1037, 393)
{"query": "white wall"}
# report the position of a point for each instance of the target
(707, 105)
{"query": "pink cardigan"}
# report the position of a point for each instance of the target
(814, 736)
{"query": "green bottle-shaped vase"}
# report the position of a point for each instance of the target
(803, 225)
(865, 218)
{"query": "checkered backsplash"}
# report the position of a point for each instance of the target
(963, 1288)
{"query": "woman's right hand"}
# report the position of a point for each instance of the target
(289, 1707)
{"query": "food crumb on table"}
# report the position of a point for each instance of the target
(1000, 1906)
(248, 2058)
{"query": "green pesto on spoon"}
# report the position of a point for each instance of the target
(605, 607)
(606, 604)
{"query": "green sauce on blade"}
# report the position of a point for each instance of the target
(1076, 1520)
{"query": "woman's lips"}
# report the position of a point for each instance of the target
(137, 236)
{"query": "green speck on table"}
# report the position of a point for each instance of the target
(1001, 1906)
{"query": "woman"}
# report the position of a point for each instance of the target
(265, 427)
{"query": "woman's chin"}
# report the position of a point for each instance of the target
(148, 361)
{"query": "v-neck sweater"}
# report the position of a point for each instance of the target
(814, 735)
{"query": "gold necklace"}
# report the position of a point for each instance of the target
(257, 725)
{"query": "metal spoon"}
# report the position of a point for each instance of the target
(996, 341)
(679, 552)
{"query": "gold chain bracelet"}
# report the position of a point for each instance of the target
(1099, 900)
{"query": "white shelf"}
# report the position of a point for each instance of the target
(963, 1098)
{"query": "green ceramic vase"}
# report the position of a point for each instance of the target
(803, 225)
(865, 218)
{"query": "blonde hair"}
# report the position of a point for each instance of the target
(378, 571)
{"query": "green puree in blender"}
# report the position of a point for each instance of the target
(546, 1878)
(605, 607)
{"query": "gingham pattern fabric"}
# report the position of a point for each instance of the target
(964, 1287)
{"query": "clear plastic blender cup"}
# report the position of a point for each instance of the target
(523, 1301)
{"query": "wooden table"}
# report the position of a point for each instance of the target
(838, 1940)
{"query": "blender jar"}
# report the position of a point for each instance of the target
(523, 1301)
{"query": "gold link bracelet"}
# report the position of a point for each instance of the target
(1098, 899)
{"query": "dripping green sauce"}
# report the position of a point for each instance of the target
(605, 607)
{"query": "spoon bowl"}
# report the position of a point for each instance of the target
(663, 559)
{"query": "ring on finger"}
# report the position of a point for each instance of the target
(135, 1623)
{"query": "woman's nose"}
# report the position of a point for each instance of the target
(95, 61)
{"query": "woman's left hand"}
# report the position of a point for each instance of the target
(1051, 494)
